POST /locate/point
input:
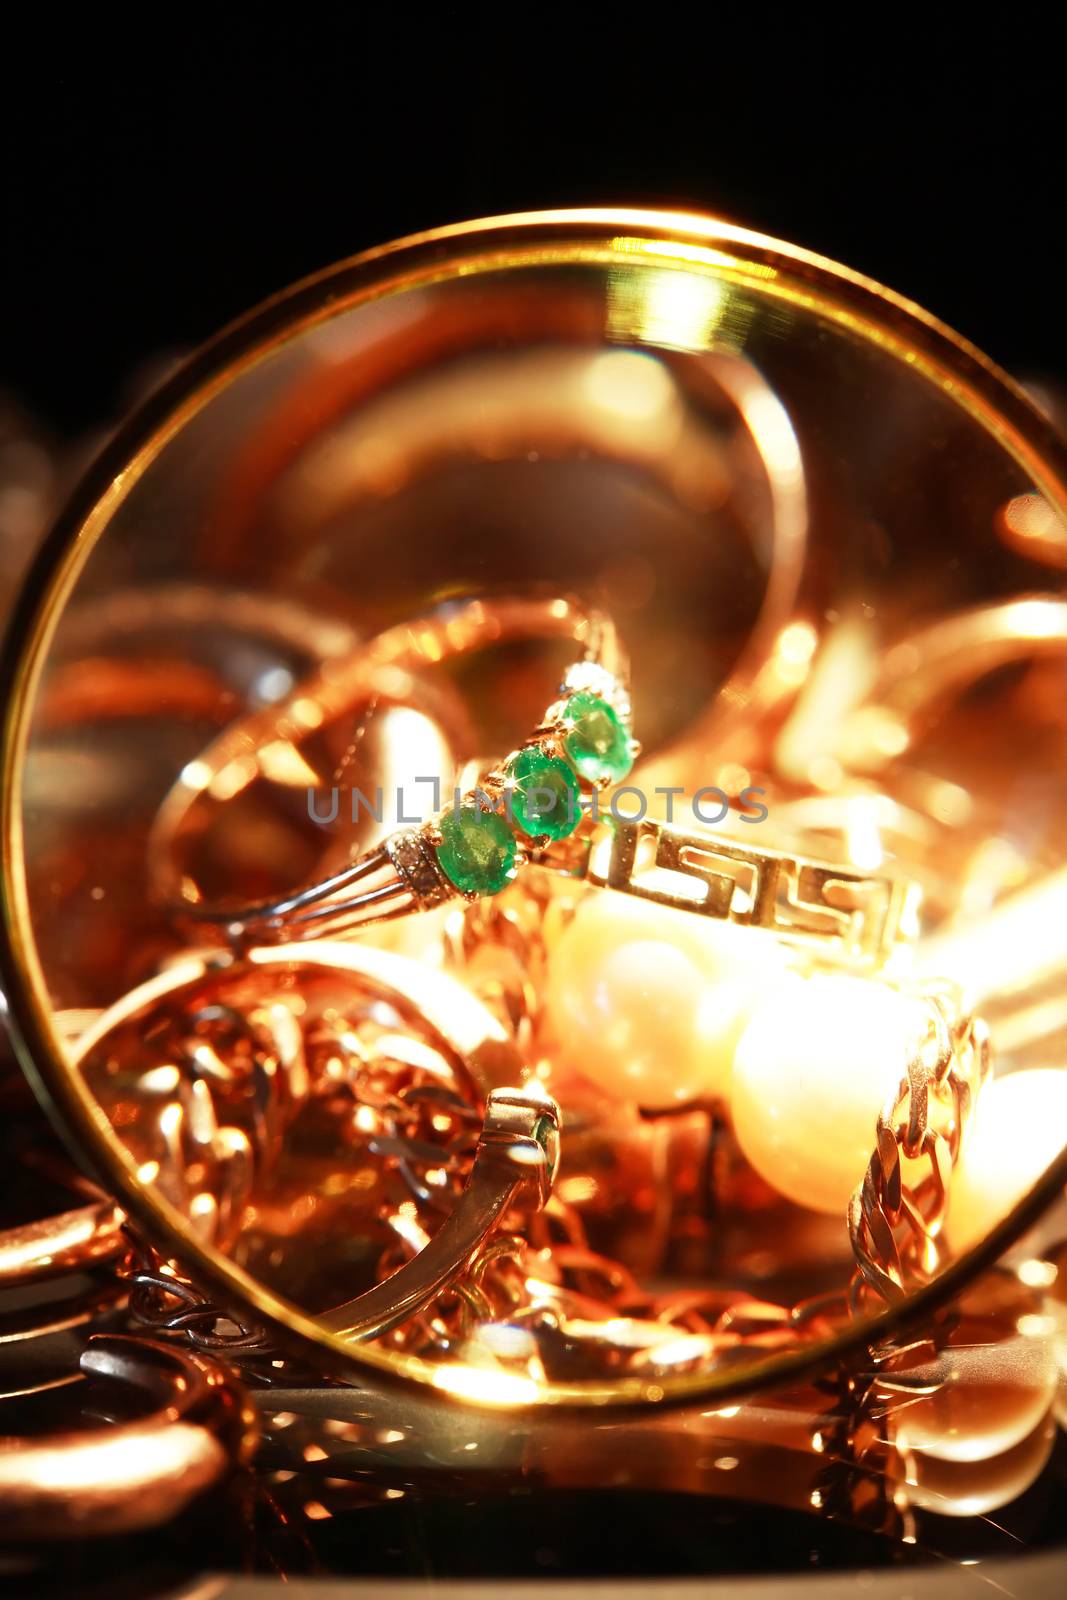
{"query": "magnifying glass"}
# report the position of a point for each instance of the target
(772, 474)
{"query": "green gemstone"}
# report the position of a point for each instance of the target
(596, 739)
(544, 794)
(477, 850)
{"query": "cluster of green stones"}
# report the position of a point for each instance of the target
(588, 742)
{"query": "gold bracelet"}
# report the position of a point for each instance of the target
(895, 1222)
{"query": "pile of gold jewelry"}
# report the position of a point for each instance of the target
(536, 1092)
(469, 1092)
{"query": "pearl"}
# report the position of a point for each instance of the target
(648, 1003)
(812, 1071)
(1019, 1126)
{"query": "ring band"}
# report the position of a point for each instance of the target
(475, 846)
(849, 916)
(67, 1242)
(122, 1477)
(518, 1149)
(517, 1152)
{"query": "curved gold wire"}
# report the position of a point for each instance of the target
(79, 1238)
(124, 1476)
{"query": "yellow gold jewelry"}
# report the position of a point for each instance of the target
(517, 1151)
(67, 1242)
(839, 913)
(124, 1476)
(896, 1216)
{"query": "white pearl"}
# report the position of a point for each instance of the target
(812, 1071)
(1019, 1127)
(648, 1002)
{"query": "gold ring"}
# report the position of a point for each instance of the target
(131, 1475)
(473, 846)
(67, 1242)
(517, 1151)
(841, 914)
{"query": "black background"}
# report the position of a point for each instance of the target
(158, 186)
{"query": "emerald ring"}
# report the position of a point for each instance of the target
(519, 810)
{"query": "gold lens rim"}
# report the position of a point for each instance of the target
(573, 237)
